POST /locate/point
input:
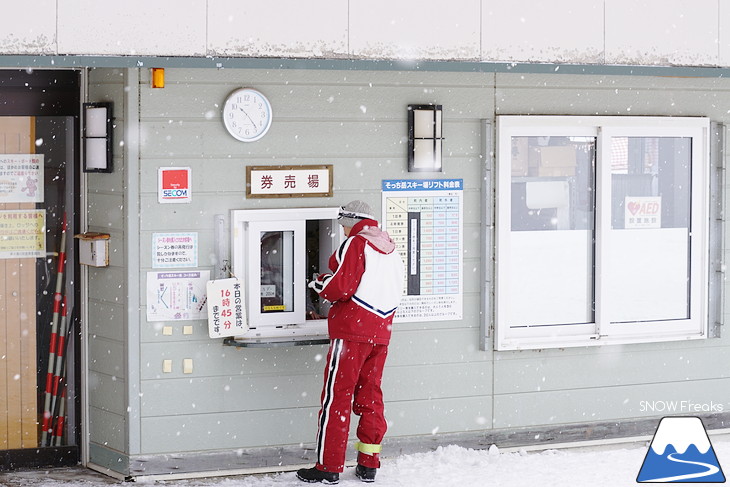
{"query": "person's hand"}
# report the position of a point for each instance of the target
(313, 315)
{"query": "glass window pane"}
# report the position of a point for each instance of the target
(39, 347)
(320, 244)
(277, 272)
(552, 223)
(650, 213)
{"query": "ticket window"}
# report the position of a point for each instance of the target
(276, 253)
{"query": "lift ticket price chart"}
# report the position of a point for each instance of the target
(424, 217)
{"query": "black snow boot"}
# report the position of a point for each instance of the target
(312, 475)
(366, 474)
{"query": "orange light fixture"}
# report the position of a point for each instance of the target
(158, 77)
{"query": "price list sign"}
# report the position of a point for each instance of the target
(425, 220)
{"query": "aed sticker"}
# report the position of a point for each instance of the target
(643, 212)
(174, 185)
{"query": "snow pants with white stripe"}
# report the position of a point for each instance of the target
(352, 379)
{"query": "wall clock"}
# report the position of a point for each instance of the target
(247, 114)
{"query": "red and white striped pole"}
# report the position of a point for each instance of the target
(54, 332)
(57, 437)
(59, 397)
(60, 361)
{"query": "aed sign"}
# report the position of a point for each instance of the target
(643, 212)
(174, 185)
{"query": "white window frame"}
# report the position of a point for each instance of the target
(246, 226)
(603, 331)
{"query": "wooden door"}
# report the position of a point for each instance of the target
(18, 359)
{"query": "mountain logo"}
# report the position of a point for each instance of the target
(681, 452)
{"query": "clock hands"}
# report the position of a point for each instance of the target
(249, 116)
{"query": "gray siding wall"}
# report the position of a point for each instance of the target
(107, 339)
(609, 383)
(357, 122)
(437, 379)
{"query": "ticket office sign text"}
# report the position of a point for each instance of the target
(288, 181)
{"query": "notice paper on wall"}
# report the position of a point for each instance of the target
(175, 249)
(21, 178)
(23, 234)
(177, 296)
(226, 308)
(424, 218)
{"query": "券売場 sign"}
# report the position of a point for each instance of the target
(288, 181)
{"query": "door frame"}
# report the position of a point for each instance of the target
(54, 92)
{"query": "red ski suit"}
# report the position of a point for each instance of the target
(365, 289)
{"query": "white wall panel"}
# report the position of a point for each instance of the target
(646, 32)
(28, 31)
(661, 32)
(414, 30)
(133, 27)
(306, 29)
(556, 31)
(723, 16)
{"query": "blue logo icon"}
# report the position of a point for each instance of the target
(681, 452)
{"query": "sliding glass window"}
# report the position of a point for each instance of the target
(601, 230)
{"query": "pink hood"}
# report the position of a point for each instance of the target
(368, 229)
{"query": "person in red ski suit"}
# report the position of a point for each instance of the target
(365, 289)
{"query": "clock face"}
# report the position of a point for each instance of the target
(247, 114)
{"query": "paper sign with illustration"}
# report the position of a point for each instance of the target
(21, 178)
(176, 296)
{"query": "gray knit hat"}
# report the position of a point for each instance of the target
(354, 212)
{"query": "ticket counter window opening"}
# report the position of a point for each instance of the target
(321, 238)
(277, 257)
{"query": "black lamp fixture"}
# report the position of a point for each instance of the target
(98, 128)
(424, 138)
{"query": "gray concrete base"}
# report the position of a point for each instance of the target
(277, 459)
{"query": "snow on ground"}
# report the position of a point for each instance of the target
(605, 466)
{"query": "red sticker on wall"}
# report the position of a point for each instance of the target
(174, 185)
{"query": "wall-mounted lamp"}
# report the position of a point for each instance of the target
(98, 137)
(424, 138)
(158, 77)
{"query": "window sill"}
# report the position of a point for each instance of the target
(269, 342)
(591, 341)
